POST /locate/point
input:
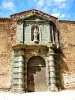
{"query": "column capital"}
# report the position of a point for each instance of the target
(19, 46)
(51, 51)
(20, 22)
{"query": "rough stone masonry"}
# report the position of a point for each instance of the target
(8, 37)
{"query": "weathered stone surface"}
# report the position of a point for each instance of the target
(67, 55)
(67, 60)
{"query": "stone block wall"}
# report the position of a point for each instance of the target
(7, 38)
(67, 29)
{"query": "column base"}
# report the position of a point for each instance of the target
(17, 90)
(53, 88)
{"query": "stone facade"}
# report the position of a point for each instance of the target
(16, 54)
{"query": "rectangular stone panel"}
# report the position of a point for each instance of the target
(27, 32)
(19, 33)
(44, 32)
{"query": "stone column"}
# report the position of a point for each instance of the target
(18, 71)
(52, 75)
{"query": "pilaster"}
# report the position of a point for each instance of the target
(18, 71)
(52, 75)
(20, 32)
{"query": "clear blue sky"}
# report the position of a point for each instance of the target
(63, 9)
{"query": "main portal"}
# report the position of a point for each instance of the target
(36, 74)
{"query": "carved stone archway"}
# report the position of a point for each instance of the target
(36, 77)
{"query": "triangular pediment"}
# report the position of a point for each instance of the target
(33, 17)
(32, 13)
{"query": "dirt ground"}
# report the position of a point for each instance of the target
(63, 95)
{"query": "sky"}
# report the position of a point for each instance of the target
(62, 9)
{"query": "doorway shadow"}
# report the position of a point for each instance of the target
(34, 65)
(30, 77)
(61, 68)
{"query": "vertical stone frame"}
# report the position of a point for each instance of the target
(20, 32)
(47, 73)
(58, 70)
(25, 75)
(52, 32)
(18, 71)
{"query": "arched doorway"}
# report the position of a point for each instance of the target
(36, 74)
